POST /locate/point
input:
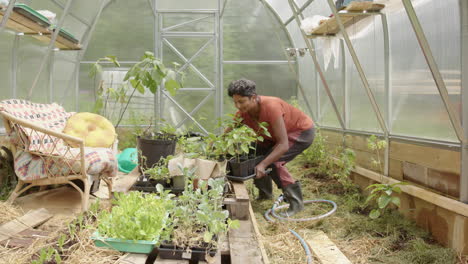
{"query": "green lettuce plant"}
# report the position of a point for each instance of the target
(138, 216)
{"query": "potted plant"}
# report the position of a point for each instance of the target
(159, 174)
(136, 223)
(156, 145)
(197, 221)
(239, 142)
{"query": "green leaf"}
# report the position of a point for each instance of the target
(245, 148)
(374, 214)
(207, 236)
(383, 201)
(172, 86)
(396, 201)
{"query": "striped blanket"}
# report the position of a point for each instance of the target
(31, 165)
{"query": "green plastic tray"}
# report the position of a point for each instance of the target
(133, 246)
(31, 14)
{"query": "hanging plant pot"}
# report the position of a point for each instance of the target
(154, 149)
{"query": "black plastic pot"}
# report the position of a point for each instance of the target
(172, 252)
(243, 168)
(154, 150)
(145, 184)
(168, 251)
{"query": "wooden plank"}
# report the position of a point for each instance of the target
(330, 26)
(124, 182)
(430, 157)
(29, 220)
(20, 23)
(240, 191)
(25, 238)
(259, 236)
(324, 249)
(243, 245)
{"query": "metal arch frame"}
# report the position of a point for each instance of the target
(461, 130)
(214, 88)
(464, 99)
(51, 46)
(318, 69)
(289, 61)
(7, 14)
(359, 68)
(303, 7)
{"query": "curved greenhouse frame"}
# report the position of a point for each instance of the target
(399, 73)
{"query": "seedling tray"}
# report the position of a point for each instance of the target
(240, 179)
(133, 246)
(195, 254)
(144, 184)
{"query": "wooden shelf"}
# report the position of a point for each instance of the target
(353, 13)
(19, 23)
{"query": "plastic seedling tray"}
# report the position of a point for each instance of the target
(32, 14)
(133, 246)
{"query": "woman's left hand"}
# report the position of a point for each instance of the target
(260, 171)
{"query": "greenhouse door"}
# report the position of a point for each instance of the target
(191, 38)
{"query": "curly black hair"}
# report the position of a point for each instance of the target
(242, 87)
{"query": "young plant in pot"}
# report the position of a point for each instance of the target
(241, 144)
(158, 174)
(197, 221)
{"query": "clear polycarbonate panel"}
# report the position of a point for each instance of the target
(186, 22)
(63, 87)
(417, 109)
(281, 7)
(199, 71)
(30, 55)
(271, 80)
(125, 29)
(317, 7)
(443, 36)
(367, 39)
(6, 47)
(188, 101)
(140, 109)
(200, 4)
(252, 32)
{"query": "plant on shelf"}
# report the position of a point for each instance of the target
(137, 216)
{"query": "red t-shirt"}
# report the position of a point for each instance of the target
(271, 108)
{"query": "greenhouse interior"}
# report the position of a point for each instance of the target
(234, 131)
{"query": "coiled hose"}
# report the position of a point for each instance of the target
(276, 205)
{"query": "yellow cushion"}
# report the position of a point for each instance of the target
(95, 130)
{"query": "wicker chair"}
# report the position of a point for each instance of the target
(60, 163)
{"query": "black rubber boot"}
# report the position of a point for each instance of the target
(265, 188)
(293, 195)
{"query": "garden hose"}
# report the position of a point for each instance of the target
(276, 205)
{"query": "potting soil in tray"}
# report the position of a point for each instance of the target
(146, 184)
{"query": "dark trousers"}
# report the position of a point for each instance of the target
(298, 142)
